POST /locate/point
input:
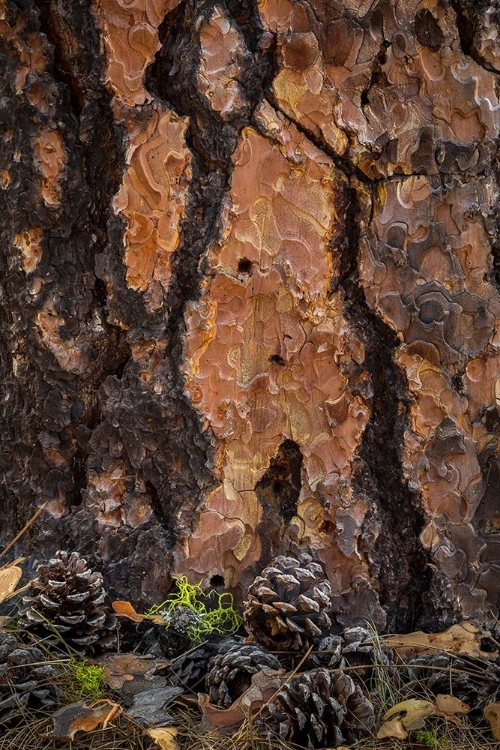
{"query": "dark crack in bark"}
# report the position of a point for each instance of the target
(212, 141)
(469, 13)
(376, 75)
(390, 539)
(278, 492)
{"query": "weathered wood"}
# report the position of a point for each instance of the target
(251, 293)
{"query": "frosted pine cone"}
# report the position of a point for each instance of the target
(229, 673)
(69, 597)
(25, 681)
(288, 605)
(318, 709)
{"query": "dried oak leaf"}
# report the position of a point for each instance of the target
(415, 712)
(130, 674)
(464, 638)
(492, 716)
(447, 706)
(148, 707)
(165, 737)
(392, 728)
(10, 575)
(263, 686)
(78, 717)
(125, 609)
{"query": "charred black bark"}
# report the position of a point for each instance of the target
(390, 538)
(49, 420)
(278, 492)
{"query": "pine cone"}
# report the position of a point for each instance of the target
(316, 708)
(229, 673)
(355, 647)
(71, 599)
(327, 654)
(189, 669)
(25, 681)
(441, 672)
(360, 647)
(288, 606)
(175, 638)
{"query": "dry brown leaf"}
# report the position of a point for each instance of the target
(464, 638)
(492, 716)
(78, 717)
(125, 609)
(156, 619)
(448, 705)
(263, 686)
(392, 728)
(165, 738)
(415, 712)
(9, 578)
(122, 669)
(149, 706)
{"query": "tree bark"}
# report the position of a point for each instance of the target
(250, 294)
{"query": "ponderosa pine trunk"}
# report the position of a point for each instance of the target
(250, 294)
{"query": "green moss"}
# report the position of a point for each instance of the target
(432, 739)
(206, 618)
(87, 680)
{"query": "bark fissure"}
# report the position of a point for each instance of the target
(212, 141)
(390, 538)
(468, 14)
(376, 74)
(61, 71)
(172, 78)
(278, 492)
(345, 165)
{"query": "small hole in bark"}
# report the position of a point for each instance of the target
(277, 359)
(244, 266)
(217, 581)
(487, 644)
(458, 383)
(326, 527)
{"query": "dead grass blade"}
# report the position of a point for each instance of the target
(24, 529)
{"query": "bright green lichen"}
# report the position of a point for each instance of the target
(186, 611)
